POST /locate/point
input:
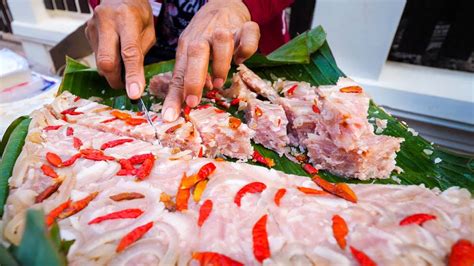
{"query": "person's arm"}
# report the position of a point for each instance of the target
(221, 30)
(121, 30)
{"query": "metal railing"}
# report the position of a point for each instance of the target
(78, 6)
(5, 17)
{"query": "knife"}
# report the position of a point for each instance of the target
(141, 104)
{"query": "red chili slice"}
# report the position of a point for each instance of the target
(76, 143)
(77, 98)
(212, 94)
(48, 128)
(254, 187)
(78, 206)
(351, 89)
(214, 259)
(200, 154)
(135, 121)
(69, 131)
(263, 160)
(279, 195)
(462, 253)
(203, 106)
(127, 196)
(71, 111)
(71, 160)
(206, 170)
(340, 230)
(140, 158)
(418, 218)
(235, 101)
(120, 115)
(114, 143)
(341, 190)
(204, 212)
(95, 155)
(144, 171)
(54, 159)
(139, 113)
(126, 164)
(173, 129)
(362, 258)
(258, 112)
(316, 109)
(291, 90)
(261, 247)
(234, 122)
(53, 214)
(182, 196)
(123, 214)
(48, 171)
(312, 191)
(219, 111)
(133, 236)
(310, 169)
(48, 192)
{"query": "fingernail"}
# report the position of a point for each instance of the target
(133, 91)
(192, 100)
(169, 114)
(218, 83)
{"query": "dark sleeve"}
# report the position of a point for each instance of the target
(264, 11)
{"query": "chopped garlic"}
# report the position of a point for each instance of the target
(378, 130)
(412, 131)
(396, 179)
(102, 91)
(437, 160)
(398, 170)
(428, 152)
(381, 123)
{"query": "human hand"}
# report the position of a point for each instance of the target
(220, 30)
(122, 30)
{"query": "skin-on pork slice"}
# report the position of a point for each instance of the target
(269, 122)
(222, 134)
(178, 134)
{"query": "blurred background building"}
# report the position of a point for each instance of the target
(415, 57)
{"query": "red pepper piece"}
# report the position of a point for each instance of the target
(291, 90)
(53, 214)
(234, 122)
(418, 218)
(76, 143)
(123, 214)
(126, 164)
(340, 230)
(462, 253)
(109, 120)
(48, 128)
(95, 155)
(212, 94)
(182, 196)
(153, 118)
(54, 159)
(124, 172)
(206, 170)
(258, 112)
(316, 109)
(71, 160)
(362, 258)
(341, 190)
(219, 111)
(301, 158)
(120, 115)
(203, 106)
(69, 131)
(173, 129)
(263, 160)
(214, 259)
(312, 191)
(140, 158)
(351, 89)
(71, 111)
(77, 98)
(139, 113)
(133, 236)
(186, 110)
(254, 187)
(261, 247)
(127, 196)
(145, 170)
(279, 195)
(78, 206)
(48, 192)
(204, 212)
(135, 121)
(114, 143)
(235, 101)
(310, 169)
(200, 154)
(48, 171)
